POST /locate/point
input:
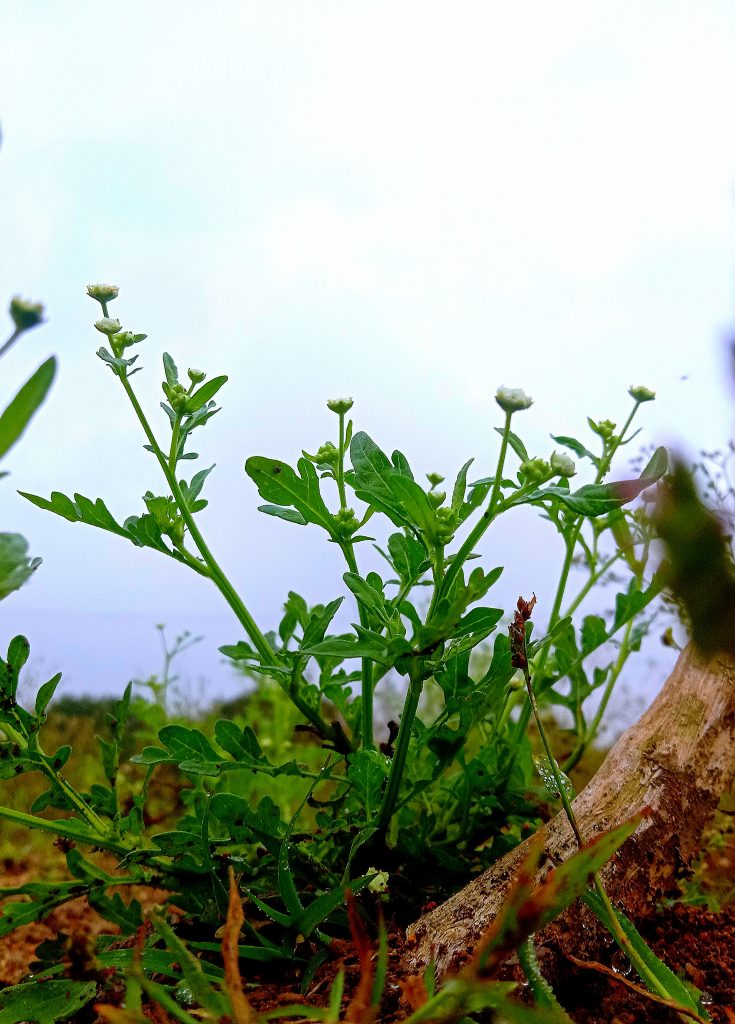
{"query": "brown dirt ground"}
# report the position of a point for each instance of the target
(695, 943)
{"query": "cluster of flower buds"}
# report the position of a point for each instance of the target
(535, 471)
(447, 522)
(327, 455)
(604, 429)
(177, 396)
(346, 521)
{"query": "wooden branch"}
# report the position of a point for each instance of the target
(677, 759)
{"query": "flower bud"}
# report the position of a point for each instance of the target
(562, 465)
(328, 454)
(640, 394)
(340, 405)
(513, 400)
(535, 470)
(435, 479)
(25, 314)
(196, 376)
(604, 429)
(346, 521)
(108, 326)
(103, 292)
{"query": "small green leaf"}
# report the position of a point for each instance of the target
(367, 596)
(319, 622)
(460, 486)
(576, 446)
(45, 693)
(17, 415)
(169, 368)
(367, 772)
(291, 515)
(205, 393)
(515, 442)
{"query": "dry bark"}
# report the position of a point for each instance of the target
(677, 759)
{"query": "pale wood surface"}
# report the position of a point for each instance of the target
(677, 760)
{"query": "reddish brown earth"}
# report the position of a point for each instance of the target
(696, 944)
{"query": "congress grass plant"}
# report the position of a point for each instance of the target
(304, 804)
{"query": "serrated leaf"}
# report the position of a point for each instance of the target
(142, 531)
(343, 648)
(372, 475)
(278, 483)
(241, 744)
(16, 567)
(414, 503)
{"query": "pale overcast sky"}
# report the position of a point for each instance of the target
(412, 203)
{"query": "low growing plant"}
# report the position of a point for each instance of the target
(344, 801)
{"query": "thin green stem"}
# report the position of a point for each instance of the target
(553, 766)
(58, 827)
(571, 543)
(366, 668)
(403, 740)
(596, 575)
(485, 519)
(341, 463)
(591, 731)
(612, 922)
(264, 649)
(10, 342)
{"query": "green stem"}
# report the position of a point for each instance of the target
(341, 463)
(553, 766)
(403, 740)
(59, 828)
(484, 521)
(612, 923)
(596, 575)
(571, 543)
(264, 649)
(366, 668)
(10, 342)
(44, 765)
(591, 730)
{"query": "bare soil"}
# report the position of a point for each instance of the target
(695, 943)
